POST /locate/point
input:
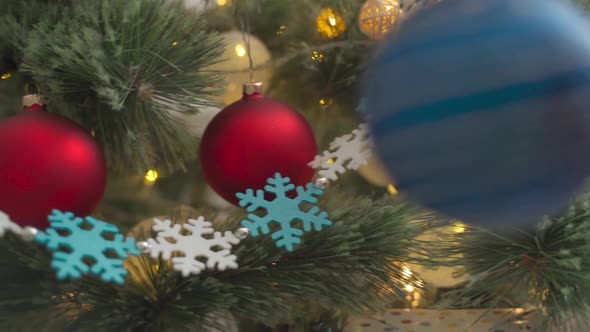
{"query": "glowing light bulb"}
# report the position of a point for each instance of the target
(332, 20)
(6, 76)
(282, 30)
(318, 56)
(407, 272)
(392, 190)
(409, 288)
(459, 228)
(240, 50)
(221, 2)
(151, 175)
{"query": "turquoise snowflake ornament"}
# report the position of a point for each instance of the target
(84, 240)
(283, 211)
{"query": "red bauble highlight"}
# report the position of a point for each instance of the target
(48, 162)
(251, 140)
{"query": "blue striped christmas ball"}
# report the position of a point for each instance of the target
(480, 108)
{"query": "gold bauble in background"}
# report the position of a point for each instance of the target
(375, 173)
(441, 276)
(236, 63)
(377, 18)
(197, 122)
(330, 23)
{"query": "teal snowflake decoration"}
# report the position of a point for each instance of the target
(83, 240)
(284, 211)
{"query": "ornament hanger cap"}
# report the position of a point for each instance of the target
(34, 103)
(253, 88)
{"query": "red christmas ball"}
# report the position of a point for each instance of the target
(48, 162)
(251, 140)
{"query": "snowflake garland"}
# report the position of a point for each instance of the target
(283, 211)
(350, 151)
(7, 225)
(214, 249)
(83, 243)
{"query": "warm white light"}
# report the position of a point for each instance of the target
(459, 228)
(332, 20)
(240, 50)
(409, 288)
(407, 272)
(151, 175)
(392, 190)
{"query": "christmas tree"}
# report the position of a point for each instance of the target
(313, 241)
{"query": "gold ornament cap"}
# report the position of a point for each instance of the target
(253, 88)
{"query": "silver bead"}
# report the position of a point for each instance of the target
(321, 183)
(29, 233)
(144, 247)
(242, 233)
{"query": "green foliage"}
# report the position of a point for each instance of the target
(548, 269)
(347, 267)
(122, 69)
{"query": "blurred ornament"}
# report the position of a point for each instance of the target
(34, 103)
(196, 122)
(330, 23)
(482, 125)
(251, 140)
(440, 276)
(48, 162)
(375, 172)
(178, 215)
(203, 5)
(236, 64)
(212, 198)
(377, 18)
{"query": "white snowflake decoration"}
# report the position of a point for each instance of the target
(215, 249)
(350, 151)
(7, 225)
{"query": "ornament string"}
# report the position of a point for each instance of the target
(245, 30)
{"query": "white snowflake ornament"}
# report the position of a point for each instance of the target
(194, 246)
(7, 225)
(348, 152)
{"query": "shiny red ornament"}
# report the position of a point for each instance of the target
(48, 162)
(251, 140)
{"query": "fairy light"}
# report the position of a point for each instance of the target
(6, 76)
(459, 227)
(330, 23)
(407, 272)
(151, 175)
(318, 56)
(332, 20)
(240, 50)
(282, 30)
(392, 190)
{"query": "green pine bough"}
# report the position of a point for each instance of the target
(349, 267)
(547, 271)
(122, 69)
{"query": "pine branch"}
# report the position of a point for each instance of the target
(548, 270)
(348, 267)
(121, 68)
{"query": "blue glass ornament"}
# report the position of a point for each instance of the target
(480, 108)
